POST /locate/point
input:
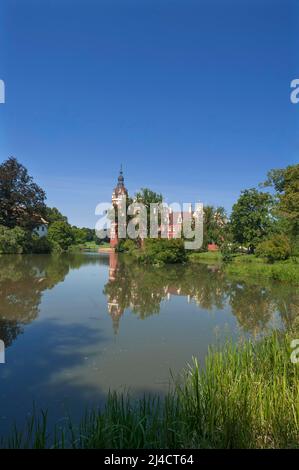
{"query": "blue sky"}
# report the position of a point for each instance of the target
(192, 97)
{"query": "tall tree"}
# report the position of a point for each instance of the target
(215, 225)
(22, 201)
(147, 197)
(252, 218)
(54, 215)
(286, 184)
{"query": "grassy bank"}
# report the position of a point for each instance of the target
(251, 266)
(205, 256)
(88, 246)
(247, 396)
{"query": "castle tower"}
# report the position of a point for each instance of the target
(119, 193)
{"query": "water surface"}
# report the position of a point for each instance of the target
(75, 326)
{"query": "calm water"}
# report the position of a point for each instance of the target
(76, 326)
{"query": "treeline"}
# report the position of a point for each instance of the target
(261, 222)
(23, 210)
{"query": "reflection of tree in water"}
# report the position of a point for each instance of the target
(23, 279)
(142, 289)
(9, 330)
(252, 305)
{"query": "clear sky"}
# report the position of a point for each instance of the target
(192, 97)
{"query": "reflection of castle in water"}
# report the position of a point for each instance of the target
(142, 289)
(116, 308)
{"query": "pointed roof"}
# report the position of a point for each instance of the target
(120, 188)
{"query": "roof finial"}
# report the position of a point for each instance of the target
(121, 168)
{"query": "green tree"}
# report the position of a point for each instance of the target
(286, 184)
(13, 240)
(61, 233)
(147, 197)
(21, 200)
(52, 215)
(276, 248)
(214, 225)
(252, 218)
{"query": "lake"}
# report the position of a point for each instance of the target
(77, 325)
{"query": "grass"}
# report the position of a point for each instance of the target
(89, 246)
(205, 256)
(245, 266)
(251, 266)
(246, 396)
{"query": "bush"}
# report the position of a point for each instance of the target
(276, 248)
(125, 246)
(61, 234)
(40, 245)
(14, 240)
(227, 251)
(163, 251)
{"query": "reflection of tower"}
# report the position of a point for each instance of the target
(114, 308)
(113, 261)
(119, 194)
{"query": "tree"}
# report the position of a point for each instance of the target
(61, 233)
(54, 215)
(22, 201)
(286, 184)
(252, 218)
(147, 197)
(276, 248)
(13, 240)
(214, 226)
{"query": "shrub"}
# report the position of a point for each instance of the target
(14, 240)
(163, 251)
(40, 245)
(227, 251)
(276, 248)
(126, 246)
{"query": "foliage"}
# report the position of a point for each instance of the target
(22, 201)
(40, 245)
(246, 396)
(251, 218)
(52, 215)
(163, 251)
(286, 184)
(276, 248)
(147, 197)
(227, 251)
(245, 267)
(214, 225)
(13, 240)
(126, 246)
(61, 234)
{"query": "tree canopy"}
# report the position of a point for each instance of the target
(22, 202)
(251, 218)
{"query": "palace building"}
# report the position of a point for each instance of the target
(170, 229)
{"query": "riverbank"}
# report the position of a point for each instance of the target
(245, 266)
(246, 396)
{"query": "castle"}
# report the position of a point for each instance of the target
(120, 192)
